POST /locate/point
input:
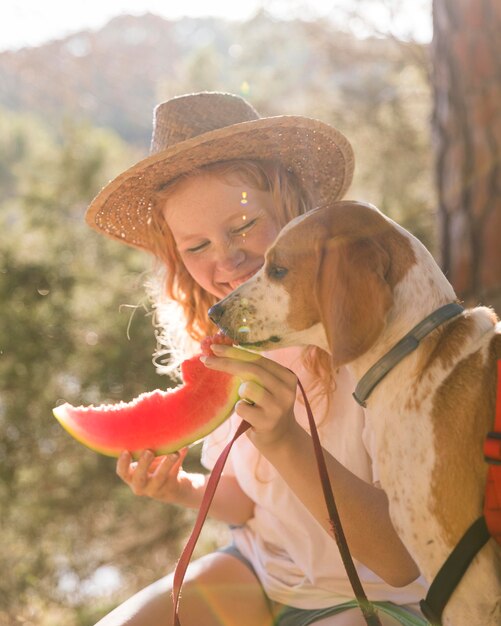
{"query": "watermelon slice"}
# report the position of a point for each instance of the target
(163, 421)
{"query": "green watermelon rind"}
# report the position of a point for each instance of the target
(70, 416)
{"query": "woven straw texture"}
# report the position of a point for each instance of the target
(198, 129)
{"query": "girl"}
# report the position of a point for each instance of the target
(219, 185)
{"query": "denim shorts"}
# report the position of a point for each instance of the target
(292, 616)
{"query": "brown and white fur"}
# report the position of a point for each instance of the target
(353, 282)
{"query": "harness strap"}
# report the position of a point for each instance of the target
(489, 525)
(451, 572)
(492, 455)
(368, 609)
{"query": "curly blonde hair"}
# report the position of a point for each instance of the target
(174, 284)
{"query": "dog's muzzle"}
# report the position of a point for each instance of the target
(216, 313)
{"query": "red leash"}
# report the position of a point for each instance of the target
(210, 489)
(366, 607)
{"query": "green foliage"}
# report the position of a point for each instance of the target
(64, 334)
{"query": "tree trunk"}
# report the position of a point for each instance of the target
(466, 51)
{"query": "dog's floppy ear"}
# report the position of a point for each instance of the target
(353, 295)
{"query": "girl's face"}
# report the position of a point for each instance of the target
(221, 230)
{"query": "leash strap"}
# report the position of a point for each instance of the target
(210, 489)
(492, 455)
(451, 572)
(368, 609)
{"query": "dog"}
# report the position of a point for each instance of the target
(351, 281)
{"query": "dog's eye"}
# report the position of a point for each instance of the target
(277, 272)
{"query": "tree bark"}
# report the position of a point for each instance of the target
(466, 54)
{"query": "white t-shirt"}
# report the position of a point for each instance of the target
(297, 561)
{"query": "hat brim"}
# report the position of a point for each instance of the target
(320, 156)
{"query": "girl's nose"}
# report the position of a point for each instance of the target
(230, 257)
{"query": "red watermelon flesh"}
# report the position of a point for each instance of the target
(163, 421)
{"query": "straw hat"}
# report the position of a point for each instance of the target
(197, 129)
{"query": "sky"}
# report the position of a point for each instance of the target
(33, 22)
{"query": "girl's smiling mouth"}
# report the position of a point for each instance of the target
(239, 281)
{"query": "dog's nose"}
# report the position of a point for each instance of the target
(216, 312)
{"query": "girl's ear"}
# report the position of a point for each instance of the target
(353, 296)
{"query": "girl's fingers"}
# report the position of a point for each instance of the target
(123, 466)
(139, 473)
(249, 412)
(176, 466)
(149, 472)
(253, 363)
(161, 474)
(158, 460)
(253, 392)
(146, 458)
(260, 386)
(233, 352)
(169, 466)
(248, 366)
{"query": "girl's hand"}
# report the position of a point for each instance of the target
(158, 477)
(163, 479)
(268, 392)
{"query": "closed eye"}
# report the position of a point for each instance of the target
(242, 229)
(235, 232)
(277, 272)
(198, 248)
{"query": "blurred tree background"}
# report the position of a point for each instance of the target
(75, 323)
(466, 56)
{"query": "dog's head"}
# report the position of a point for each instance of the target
(327, 280)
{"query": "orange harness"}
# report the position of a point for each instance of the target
(492, 454)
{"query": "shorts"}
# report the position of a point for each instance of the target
(292, 616)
